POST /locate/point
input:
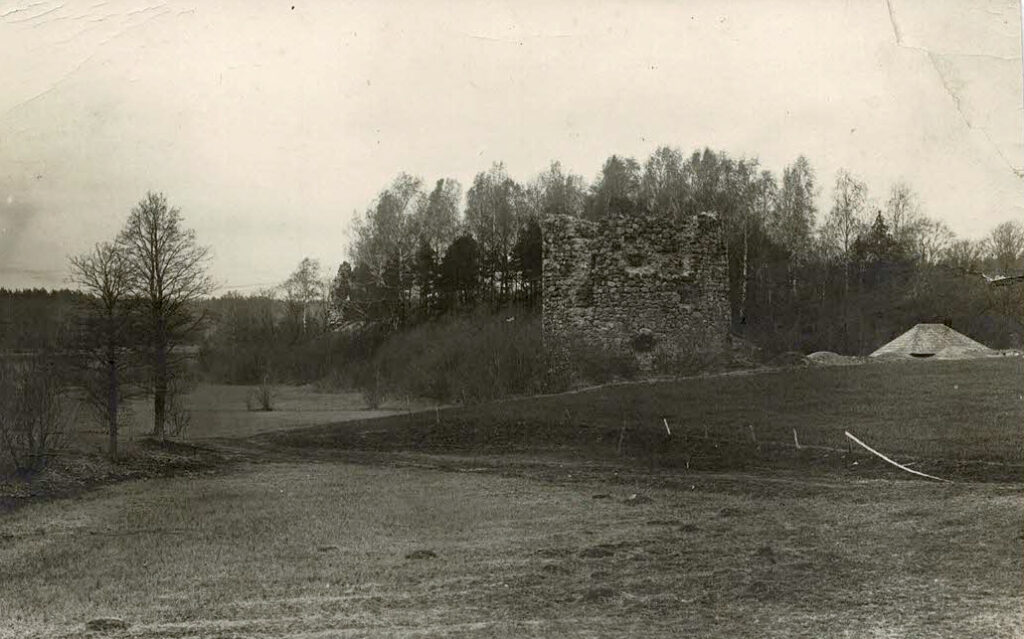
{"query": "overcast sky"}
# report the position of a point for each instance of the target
(270, 123)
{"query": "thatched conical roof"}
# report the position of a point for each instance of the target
(925, 340)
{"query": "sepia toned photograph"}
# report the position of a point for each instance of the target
(504, 319)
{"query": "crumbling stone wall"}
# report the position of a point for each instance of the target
(636, 283)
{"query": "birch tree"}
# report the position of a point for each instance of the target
(845, 221)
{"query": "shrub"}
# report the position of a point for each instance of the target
(309, 360)
(34, 415)
(371, 383)
(261, 398)
(464, 359)
(479, 357)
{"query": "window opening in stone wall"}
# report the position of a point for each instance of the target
(585, 292)
(644, 341)
(689, 292)
(636, 259)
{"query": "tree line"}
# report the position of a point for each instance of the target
(846, 276)
(800, 278)
(416, 254)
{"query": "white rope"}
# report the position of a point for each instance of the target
(897, 465)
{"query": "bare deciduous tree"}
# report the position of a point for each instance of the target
(305, 293)
(385, 232)
(903, 214)
(965, 255)
(495, 205)
(555, 192)
(104, 332)
(1005, 246)
(790, 223)
(616, 188)
(167, 275)
(663, 185)
(931, 240)
(845, 221)
(436, 219)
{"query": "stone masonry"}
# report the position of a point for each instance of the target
(637, 283)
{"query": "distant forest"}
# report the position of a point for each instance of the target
(844, 279)
(800, 279)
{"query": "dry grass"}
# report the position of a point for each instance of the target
(222, 410)
(319, 550)
(216, 412)
(540, 538)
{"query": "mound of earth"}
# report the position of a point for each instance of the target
(828, 358)
(963, 352)
(890, 357)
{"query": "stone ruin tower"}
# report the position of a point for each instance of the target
(637, 283)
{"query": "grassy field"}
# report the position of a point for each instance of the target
(963, 418)
(958, 418)
(546, 517)
(927, 410)
(328, 550)
(222, 410)
(217, 411)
